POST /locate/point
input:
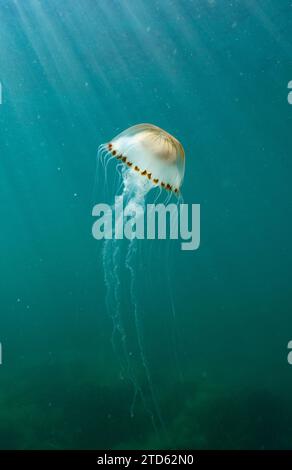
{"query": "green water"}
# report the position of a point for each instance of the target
(215, 75)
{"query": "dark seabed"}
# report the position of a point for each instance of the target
(213, 324)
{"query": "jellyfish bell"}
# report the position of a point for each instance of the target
(151, 153)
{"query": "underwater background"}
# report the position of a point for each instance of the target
(215, 322)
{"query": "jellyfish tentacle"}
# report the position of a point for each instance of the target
(168, 272)
(138, 198)
(111, 251)
(130, 253)
(103, 152)
(111, 258)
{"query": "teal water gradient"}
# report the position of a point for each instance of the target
(215, 75)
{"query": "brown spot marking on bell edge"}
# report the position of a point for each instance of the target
(149, 175)
(137, 168)
(168, 186)
(176, 190)
(155, 180)
(162, 184)
(114, 152)
(129, 163)
(124, 159)
(143, 173)
(110, 146)
(119, 157)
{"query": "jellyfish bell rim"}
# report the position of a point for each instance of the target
(173, 155)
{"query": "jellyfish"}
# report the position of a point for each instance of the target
(149, 159)
(152, 153)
